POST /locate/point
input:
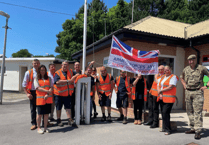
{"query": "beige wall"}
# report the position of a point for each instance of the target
(179, 66)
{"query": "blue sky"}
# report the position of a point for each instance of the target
(36, 30)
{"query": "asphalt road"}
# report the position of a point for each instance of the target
(15, 130)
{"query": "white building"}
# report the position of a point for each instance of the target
(15, 69)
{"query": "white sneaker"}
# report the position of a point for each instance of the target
(47, 131)
(40, 131)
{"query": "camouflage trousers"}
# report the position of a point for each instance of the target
(194, 106)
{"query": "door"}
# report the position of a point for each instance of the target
(23, 69)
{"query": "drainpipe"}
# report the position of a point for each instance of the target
(198, 52)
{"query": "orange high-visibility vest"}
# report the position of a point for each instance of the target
(153, 90)
(64, 90)
(170, 95)
(127, 83)
(40, 95)
(30, 82)
(105, 86)
(133, 96)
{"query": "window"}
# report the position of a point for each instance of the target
(4, 69)
(166, 61)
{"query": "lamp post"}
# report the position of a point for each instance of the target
(3, 59)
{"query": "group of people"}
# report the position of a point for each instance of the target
(49, 89)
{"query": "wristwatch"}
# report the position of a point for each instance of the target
(67, 81)
(207, 86)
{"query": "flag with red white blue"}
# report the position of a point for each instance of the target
(127, 58)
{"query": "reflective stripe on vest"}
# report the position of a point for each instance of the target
(127, 83)
(105, 86)
(153, 90)
(40, 95)
(133, 95)
(170, 95)
(65, 89)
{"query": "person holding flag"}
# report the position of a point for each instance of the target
(122, 90)
(139, 95)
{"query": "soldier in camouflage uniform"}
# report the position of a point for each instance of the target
(192, 80)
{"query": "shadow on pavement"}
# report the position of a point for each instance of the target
(205, 133)
(98, 121)
(63, 129)
(16, 103)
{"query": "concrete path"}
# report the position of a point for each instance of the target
(15, 130)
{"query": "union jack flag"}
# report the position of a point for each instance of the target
(130, 56)
(124, 48)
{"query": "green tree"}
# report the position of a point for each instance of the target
(144, 8)
(70, 40)
(118, 16)
(199, 10)
(176, 10)
(22, 53)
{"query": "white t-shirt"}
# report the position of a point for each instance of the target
(51, 76)
(173, 81)
(36, 85)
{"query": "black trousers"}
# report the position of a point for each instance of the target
(94, 105)
(153, 107)
(166, 110)
(33, 108)
(138, 105)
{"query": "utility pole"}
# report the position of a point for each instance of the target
(4, 52)
(132, 11)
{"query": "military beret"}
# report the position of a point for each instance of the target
(191, 57)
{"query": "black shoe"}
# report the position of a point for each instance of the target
(95, 114)
(148, 123)
(59, 123)
(189, 131)
(72, 123)
(154, 126)
(197, 135)
(52, 119)
(103, 118)
(125, 120)
(120, 118)
(109, 119)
